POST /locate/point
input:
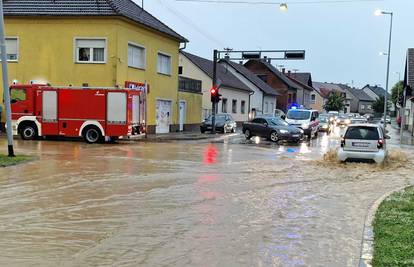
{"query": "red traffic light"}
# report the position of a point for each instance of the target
(213, 90)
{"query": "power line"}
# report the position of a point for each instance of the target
(277, 3)
(190, 23)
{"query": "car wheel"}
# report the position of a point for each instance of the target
(274, 137)
(28, 132)
(202, 130)
(247, 134)
(92, 135)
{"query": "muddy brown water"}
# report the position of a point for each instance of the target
(188, 204)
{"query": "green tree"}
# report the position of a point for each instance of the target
(397, 89)
(335, 102)
(378, 105)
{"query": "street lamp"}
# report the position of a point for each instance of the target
(379, 13)
(283, 7)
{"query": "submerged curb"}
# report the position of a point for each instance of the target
(367, 249)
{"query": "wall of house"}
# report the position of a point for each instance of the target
(162, 87)
(319, 102)
(274, 82)
(365, 107)
(238, 95)
(47, 54)
(192, 71)
(353, 103)
(256, 100)
(193, 103)
(271, 103)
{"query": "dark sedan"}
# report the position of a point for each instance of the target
(224, 123)
(274, 129)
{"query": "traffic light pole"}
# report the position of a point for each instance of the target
(214, 103)
(6, 84)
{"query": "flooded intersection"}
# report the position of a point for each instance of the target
(187, 204)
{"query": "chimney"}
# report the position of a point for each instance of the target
(283, 70)
(289, 73)
(241, 62)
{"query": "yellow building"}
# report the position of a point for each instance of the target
(97, 43)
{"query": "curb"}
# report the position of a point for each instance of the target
(367, 248)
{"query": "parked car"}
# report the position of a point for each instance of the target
(388, 119)
(224, 123)
(359, 120)
(305, 120)
(325, 124)
(364, 141)
(272, 128)
(343, 120)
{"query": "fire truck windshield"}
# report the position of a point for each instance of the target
(17, 95)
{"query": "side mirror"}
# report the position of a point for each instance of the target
(13, 101)
(387, 137)
(266, 124)
(283, 117)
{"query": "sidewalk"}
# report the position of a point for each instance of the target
(178, 136)
(408, 139)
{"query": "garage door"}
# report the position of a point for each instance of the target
(163, 118)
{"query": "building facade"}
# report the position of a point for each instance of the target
(289, 92)
(264, 98)
(235, 94)
(107, 45)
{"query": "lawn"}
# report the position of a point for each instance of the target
(394, 230)
(9, 161)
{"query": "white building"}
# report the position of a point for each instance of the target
(264, 98)
(235, 94)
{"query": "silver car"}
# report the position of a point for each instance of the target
(364, 141)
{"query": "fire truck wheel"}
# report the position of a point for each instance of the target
(28, 131)
(92, 135)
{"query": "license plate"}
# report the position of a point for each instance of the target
(360, 144)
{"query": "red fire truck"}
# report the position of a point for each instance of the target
(96, 114)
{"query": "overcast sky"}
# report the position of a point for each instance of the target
(342, 40)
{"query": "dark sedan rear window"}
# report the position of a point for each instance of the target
(362, 133)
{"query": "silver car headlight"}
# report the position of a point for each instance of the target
(305, 126)
(284, 131)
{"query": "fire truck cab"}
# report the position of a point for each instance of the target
(96, 114)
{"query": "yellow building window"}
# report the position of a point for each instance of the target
(12, 49)
(90, 50)
(136, 56)
(164, 64)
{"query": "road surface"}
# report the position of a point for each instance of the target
(228, 203)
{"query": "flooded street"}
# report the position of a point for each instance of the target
(227, 203)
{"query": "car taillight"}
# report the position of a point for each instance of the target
(380, 143)
(342, 142)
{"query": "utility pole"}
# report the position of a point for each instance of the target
(6, 89)
(214, 103)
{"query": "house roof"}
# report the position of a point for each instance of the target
(358, 93)
(302, 77)
(123, 8)
(299, 83)
(379, 91)
(226, 77)
(259, 83)
(326, 88)
(279, 74)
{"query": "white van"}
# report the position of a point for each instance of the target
(307, 120)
